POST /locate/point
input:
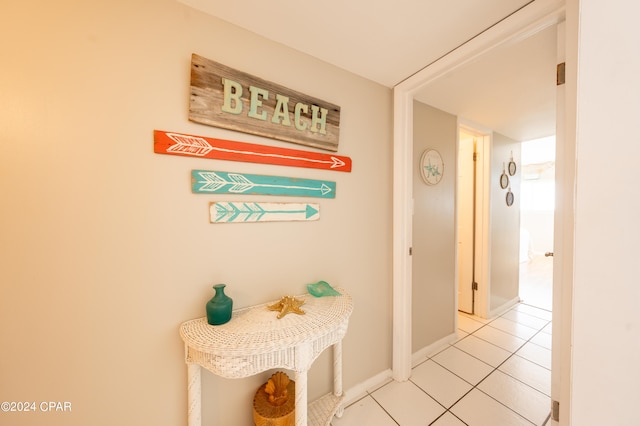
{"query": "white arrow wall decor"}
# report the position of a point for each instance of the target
(245, 211)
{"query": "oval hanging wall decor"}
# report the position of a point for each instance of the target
(509, 198)
(512, 166)
(504, 179)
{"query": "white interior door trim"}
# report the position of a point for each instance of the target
(527, 21)
(482, 253)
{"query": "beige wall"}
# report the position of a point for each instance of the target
(104, 251)
(504, 224)
(433, 261)
(604, 347)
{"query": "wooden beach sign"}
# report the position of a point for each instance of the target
(245, 211)
(220, 149)
(224, 97)
(207, 182)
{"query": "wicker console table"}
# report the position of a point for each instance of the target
(255, 341)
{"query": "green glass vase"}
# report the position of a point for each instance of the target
(219, 307)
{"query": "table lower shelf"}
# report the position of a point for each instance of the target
(321, 411)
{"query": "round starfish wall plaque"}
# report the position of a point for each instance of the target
(431, 167)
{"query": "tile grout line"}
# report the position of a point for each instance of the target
(494, 369)
(513, 353)
(380, 405)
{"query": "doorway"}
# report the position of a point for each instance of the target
(471, 211)
(535, 17)
(537, 209)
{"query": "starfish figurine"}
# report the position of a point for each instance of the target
(287, 305)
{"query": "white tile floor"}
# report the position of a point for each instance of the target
(498, 373)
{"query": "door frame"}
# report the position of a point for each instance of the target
(481, 254)
(527, 21)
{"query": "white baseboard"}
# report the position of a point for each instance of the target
(428, 351)
(362, 389)
(504, 307)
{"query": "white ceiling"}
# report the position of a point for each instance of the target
(510, 91)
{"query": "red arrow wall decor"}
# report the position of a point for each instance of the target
(220, 149)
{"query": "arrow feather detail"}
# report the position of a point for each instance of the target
(191, 145)
(212, 182)
(242, 184)
(233, 211)
(254, 209)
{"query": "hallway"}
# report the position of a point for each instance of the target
(497, 372)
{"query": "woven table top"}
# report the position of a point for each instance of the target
(254, 329)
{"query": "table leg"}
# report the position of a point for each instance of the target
(194, 394)
(337, 368)
(301, 398)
